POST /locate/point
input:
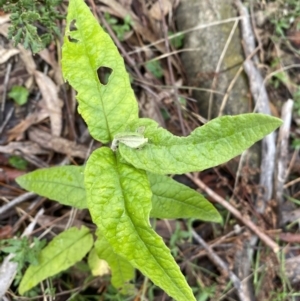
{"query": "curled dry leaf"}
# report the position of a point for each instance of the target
(46, 55)
(52, 101)
(26, 57)
(58, 144)
(34, 118)
(160, 6)
(6, 54)
(4, 19)
(27, 148)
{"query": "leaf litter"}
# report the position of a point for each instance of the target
(47, 131)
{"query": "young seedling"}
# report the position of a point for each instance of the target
(123, 189)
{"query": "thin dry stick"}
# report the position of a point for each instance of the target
(291, 163)
(266, 239)
(214, 82)
(218, 241)
(282, 153)
(167, 46)
(288, 67)
(291, 183)
(8, 116)
(6, 78)
(181, 87)
(22, 198)
(170, 37)
(230, 87)
(222, 266)
(127, 57)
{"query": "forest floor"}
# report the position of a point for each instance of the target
(40, 127)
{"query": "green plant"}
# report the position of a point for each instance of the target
(33, 22)
(123, 186)
(19, 94)
(23, 252)
(119, 29)
(285, 15)
(18, 162)
(155, 68)
(177, 40)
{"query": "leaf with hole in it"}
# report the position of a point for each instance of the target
(106, 107)
(119, 200)
(122, 271)
(171, 200)
(63, 184)
(62, 252)
(214, 143)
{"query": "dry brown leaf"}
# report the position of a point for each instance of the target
(21, 127)
(159, 7)
(53, 103)
(58, 223)
(27, 148)
(4, 19)
(126, 3)
(57, 144)
(6, 54)
(49, 59)
(26, 57)
(144, 32)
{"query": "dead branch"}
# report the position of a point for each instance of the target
(282, 154)
(222, 266)
(22, 198)
(247, 222)
(261, 100)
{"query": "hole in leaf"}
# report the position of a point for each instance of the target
(104, 74)
(72, 26)
(72, 39)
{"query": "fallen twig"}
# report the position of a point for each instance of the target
(261, 100)
(247, 222)
(282, 154)
(222, 266)
(22, 198)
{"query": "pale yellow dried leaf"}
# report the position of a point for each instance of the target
(17, 131)
(52, 102)
(26, 57)
(6, 54)
(49, 59)
(4, 19)
(102, 268)
(160, 9)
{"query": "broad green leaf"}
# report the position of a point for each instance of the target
(119, 200)
(122, 271)
(209, 145)
(171, 200)
(63, 184)
(61, 253)
(106, 108)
